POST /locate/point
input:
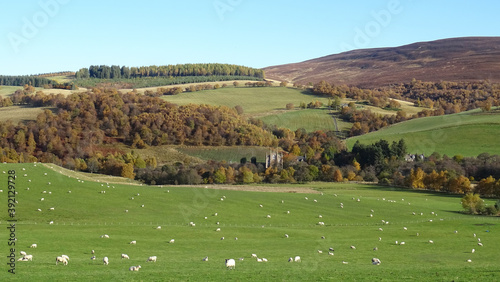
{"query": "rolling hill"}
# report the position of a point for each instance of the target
(468, 134)
(83, 210)
(454, 59)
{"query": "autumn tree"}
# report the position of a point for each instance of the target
(472, 203)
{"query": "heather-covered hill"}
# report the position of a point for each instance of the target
(455, 59)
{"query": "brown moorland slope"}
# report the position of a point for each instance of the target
(454, 59)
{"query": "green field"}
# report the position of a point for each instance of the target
(8, 90)
(82, 216)
(467, 134)
(309, 119)
(254, 100)
(228, 154)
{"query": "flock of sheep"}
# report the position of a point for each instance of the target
(229, 263)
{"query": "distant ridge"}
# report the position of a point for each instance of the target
(453, 59)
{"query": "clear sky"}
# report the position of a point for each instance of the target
(40, 36)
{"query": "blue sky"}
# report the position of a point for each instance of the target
(39, 36)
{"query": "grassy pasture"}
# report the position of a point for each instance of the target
(229, 154)
(82, 216)
(467, 134)
(309, 119)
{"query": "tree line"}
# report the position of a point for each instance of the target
(116, 72)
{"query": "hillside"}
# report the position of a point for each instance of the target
(467, 134)
(83, 210)
(455, 59)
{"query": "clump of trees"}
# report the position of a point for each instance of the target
(116, 72)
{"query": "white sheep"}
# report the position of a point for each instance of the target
(105, 260)
(105, 236)
(134, 268)
(354, 248)
(151, 259)
(290, 259)
(51, 209)
(93, 258)
(65, 257)
(171, 241)
(264, 259)
(286, 235)
(51, 222)
(125, 256)
(297, 259)
(158, 227)
(230, 264)
(23, 253)
(92, 252)
(375, 261)
(473, 251)
(218, 229)
(268, 216)
(33, 246)
(133, 242)
(28, 258)
(61, 259)
(480, 244)
(42, 199)
(430, 241)
(259, 260)
(205, 259)
(254, 255)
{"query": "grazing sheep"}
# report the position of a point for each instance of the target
(380, 238)
(51, 222)
(268, 216)
(42, 199)
(134, 268)
(33, 246)
(375, 249)
(430, 241)
(320, 216)
(151, 259)
(125, 256)
(61, 259)
(218, 229)
(158, 227)
(469, 260)
(473, 251)
(286, 235)
(402, 243)
(330, 253)
(306, 198)
(261, 206)
(375, 261)
(23, 253)
(171, 241)
(254, 255)
(380, 229)
(205, 259)
(264, 259)
(51, 209)
(296, 259)
(290, 259)
(133, 242)
(230, 264)
(321, 223)
(353, 247)
(259, 260)
(65, 257)
(93, 258)
(320, 251)
(105, 260)
(345, 262)
(222, 238)
(105, 236)
(404, 228)
(315, 200)
(92, 252)
(27, 258)
(480, 244)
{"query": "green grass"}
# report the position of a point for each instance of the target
(8, 90)
(228, 154)
(309, 119)
(254, 100)
(467, 134)
(82, 216)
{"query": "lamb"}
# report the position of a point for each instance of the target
(376, 261)
(28, 258)
(151, 259)
(125, 256)
(133, 242)
(61, 259)
(230, 264)
(297, 259)
(134, 268)
(33, 246)
(105, 260)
